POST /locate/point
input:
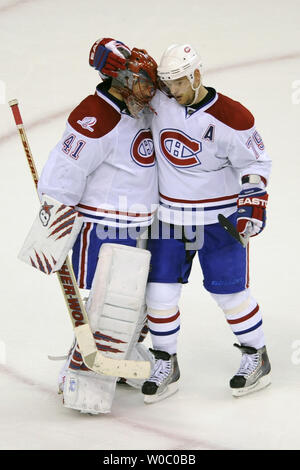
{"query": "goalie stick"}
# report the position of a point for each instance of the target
(231, 229)
(93, 359)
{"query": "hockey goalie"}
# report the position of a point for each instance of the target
(99, 193)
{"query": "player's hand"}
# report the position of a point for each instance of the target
(107, 56)
(251, 214)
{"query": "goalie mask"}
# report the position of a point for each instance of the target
(138, 82)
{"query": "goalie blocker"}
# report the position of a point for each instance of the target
(51, 236)
(116, 311)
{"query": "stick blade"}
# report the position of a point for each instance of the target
(101, 364)
(121, 368)
(231, 229)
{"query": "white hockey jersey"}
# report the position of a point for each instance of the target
(202, 154)
(104, 165)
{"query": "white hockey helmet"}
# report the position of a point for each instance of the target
(179, 61)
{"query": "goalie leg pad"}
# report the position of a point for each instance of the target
(116, 311)
(65, 367)
(116, 306)
(88, 392)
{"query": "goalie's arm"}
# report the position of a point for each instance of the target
(70, 162)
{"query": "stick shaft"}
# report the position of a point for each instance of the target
(65, 274)
(231, 229)
(19, 123)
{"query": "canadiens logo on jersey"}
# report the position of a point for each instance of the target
(142, 148)
(180, 149)
(87, 123)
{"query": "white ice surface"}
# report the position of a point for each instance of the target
(251, 52)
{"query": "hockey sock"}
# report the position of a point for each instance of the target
(164, 327)
(244, 317)
(163, 315)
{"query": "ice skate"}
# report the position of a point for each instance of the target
(164, 378)
(254, 372)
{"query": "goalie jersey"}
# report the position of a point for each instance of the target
(104, 165)
(202, 153)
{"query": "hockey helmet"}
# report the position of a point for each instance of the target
(179, 61)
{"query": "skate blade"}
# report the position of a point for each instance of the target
(168, 391)
(262, 383)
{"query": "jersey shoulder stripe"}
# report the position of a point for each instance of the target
(94, 117)
(232, 113)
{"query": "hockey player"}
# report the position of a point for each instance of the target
(211, 161)
(104, 167)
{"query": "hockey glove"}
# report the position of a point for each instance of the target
(251, 218)
(108, 56)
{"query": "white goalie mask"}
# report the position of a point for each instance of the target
(180, 61)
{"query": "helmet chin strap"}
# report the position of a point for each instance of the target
(196, 90)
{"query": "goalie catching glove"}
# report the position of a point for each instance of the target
(251, 214)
